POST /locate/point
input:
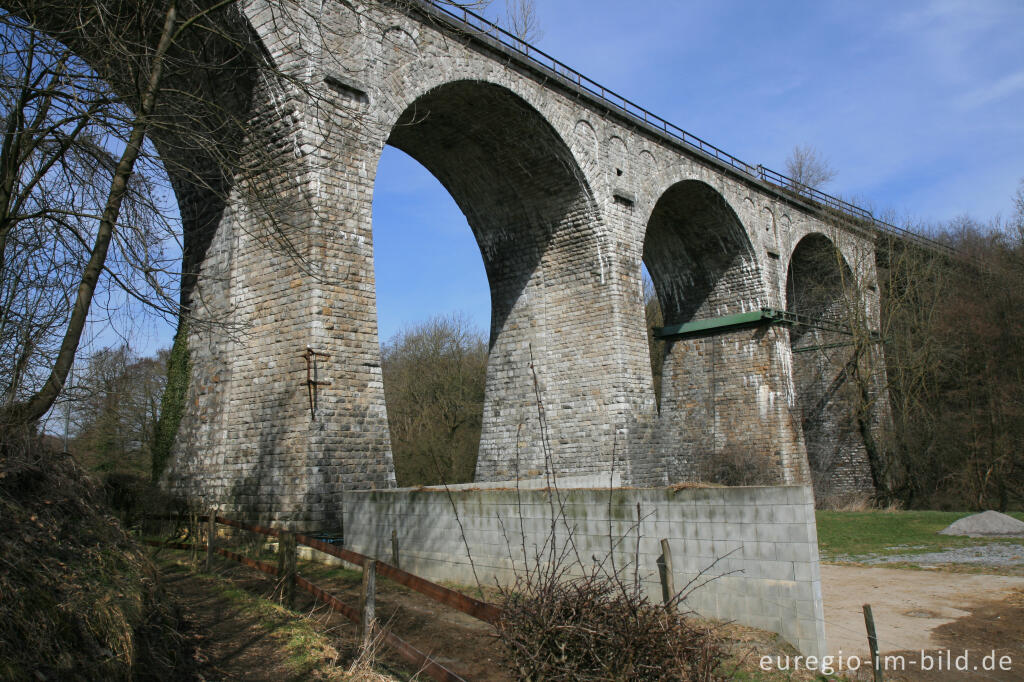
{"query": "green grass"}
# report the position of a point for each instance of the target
(307, 652)
(303, 645)
(859, 534)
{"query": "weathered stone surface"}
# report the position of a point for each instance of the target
(566, 198)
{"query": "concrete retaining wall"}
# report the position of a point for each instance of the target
(764, 538)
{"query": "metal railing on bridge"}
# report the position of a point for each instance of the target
(487, 31)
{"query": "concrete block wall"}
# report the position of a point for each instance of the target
(758, 543)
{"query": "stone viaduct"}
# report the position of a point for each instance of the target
(568, 189)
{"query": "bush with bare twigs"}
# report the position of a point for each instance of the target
(595, 626)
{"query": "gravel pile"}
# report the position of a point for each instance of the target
(989, 523)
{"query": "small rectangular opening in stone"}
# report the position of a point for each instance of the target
(347, 91)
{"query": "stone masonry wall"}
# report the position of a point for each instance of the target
(560, 197)
(561, 193)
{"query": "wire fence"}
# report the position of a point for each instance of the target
(251, 542)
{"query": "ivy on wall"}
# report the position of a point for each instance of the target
(172, 405)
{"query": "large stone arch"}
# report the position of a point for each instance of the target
(209, 89)
(725, 397)
(821, 287)
(534, 217)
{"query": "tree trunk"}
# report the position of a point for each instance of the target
(39, 404)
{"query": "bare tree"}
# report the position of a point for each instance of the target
(521, 20)
(808, 167)
(434, 375)
(115, 409)
(83, 215)
(939, 414)
(70, 149)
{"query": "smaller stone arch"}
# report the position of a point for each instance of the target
(767, 222)
(647, 164)
(401, 40)
(585, 141)
(618, 161)
(718, 376)
(820, 287)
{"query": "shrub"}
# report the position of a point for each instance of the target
(594, 626)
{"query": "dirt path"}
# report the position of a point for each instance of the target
(459, 642)
(918, 610)
(230, 643)
(914, 610)
(234, 645)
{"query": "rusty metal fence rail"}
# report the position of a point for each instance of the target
(483, 611)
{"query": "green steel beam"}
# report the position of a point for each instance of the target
(827, 346)
(714, 325)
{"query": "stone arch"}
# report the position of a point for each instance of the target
(586, 144)
(618, 161)
(699, 255)
(816, 279)
(533, 216)
(400, 39)
(207, 125)
(818, 288)
(718, 381)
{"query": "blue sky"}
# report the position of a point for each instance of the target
(918, 106)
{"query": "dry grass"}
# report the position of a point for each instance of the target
(78, 600)
(846, 502)
(365, 668)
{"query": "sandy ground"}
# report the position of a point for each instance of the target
(911, 607)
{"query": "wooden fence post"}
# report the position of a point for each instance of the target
(876, 660)
(211, 538)
(394, 548)
(193, 530)
(286, 567)
(368, 601)
(668, 579)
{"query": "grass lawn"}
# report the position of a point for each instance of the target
(858, 534)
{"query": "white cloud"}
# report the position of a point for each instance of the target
(991, 93)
